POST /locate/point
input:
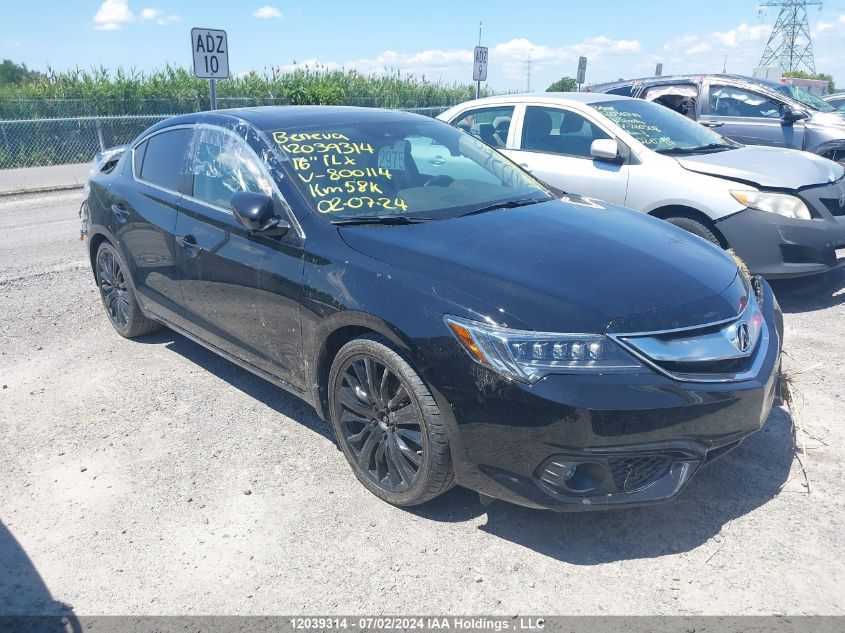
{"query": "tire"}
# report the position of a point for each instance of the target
(382, 412)
(117, 295)
(696, 228)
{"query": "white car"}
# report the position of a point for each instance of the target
(781, 210)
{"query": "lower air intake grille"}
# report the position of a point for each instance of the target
(632, 473)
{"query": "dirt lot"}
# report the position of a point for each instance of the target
(152, 477)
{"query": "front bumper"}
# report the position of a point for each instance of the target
(778, 247)
(643, 436)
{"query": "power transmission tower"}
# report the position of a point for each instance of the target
(789, 46)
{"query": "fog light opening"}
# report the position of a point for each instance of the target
(585, 477)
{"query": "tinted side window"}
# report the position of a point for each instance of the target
(224, 165)
(165, 161)
(554, 131)
(624, 91)
(730, 101)
(491, 125)
(139, 158)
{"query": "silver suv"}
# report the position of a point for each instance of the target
(743, 110)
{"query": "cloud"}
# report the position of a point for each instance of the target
(508, 61)
(113, 15)
(743, 34)
(267, 13)
(159, 17)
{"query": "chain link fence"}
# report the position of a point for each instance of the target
(59, 140)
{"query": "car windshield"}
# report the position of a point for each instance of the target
(807, 99)
(400, 170)
(660, 128)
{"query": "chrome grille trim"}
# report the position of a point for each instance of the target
(759, 351)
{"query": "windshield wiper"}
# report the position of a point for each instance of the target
(694, 150)
(508, 204)
(379, 219)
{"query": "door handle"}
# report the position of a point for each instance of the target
(526, 167)
(120, 211)
(189, 243)
(712, 123)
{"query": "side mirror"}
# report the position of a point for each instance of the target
(606, 149)
(256, 212)
(790, 115)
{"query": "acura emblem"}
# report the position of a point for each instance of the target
(842, 201)
(743, 337)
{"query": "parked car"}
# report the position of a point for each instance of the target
(797, 93)
(454, 321)
(782, 211)
(744, 110)
(837, 100)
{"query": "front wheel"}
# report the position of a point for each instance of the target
(696, 228)
(388, 424)
(119, 299)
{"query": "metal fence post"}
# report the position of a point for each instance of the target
(100, 134)
(6, 139)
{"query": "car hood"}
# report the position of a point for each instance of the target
(563, 266)
(768, 167)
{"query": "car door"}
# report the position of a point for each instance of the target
(553, 143)
(241, 289)
(749, 116)
(144, 210)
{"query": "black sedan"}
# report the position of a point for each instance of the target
(453, 319)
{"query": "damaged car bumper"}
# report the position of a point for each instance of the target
(582, 442)
(780, 247)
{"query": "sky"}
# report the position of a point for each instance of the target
(430, 38)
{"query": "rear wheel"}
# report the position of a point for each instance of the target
(696, 228)
(119, 300)
(388, 424)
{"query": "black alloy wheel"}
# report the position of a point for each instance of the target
(388, 424)
(113, 288)
(380, 424)
(118, 296)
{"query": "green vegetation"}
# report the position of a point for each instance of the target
(800, 74)
(30, 102)
(176, 90)
(564, 84)
(12, 73)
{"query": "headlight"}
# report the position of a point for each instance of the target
(780, 203)
(528, 356)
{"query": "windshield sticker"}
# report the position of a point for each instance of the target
(341, 174)
(392, 157)
(633, 124)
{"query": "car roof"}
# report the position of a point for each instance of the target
(278, 117)
(766, 85)
(534, 97)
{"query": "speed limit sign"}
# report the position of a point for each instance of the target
(211, 53)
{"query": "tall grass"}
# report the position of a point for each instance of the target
(173, 90)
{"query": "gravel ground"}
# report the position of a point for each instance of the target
(152, 477)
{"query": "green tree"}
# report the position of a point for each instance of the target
(12, 73)
(800, 74)
(564, 84)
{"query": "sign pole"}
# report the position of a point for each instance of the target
(478, 83)
(212, 93)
